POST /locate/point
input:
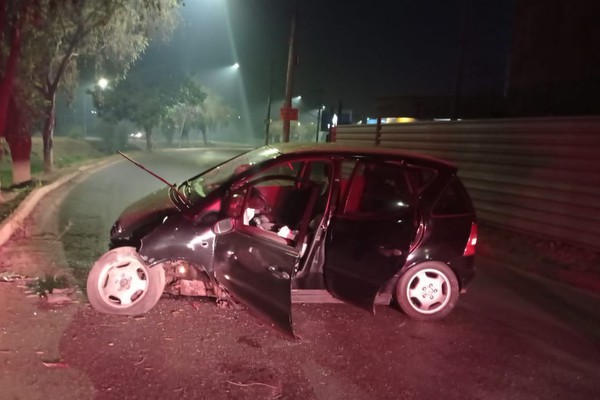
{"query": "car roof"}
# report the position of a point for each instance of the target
(361, 150)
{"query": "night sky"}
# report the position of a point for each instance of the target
(348, 51)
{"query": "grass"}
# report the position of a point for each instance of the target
(7, 207)
(46, 284)
(67, 151)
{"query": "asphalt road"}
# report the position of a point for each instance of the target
(512, 336)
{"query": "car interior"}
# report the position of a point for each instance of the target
(288, 201)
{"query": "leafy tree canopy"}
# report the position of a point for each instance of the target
(110, 34)
(146, 97)
(204, 116)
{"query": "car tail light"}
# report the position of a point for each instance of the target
(472, 242)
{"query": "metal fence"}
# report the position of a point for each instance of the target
(540, 176)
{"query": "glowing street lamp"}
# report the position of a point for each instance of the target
(102, 83)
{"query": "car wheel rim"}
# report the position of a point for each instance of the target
(428, 291)
(123, 283)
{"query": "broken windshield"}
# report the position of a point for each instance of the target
(204, 184)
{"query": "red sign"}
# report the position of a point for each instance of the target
(289, 114)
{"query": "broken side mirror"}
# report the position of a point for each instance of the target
(223, 226)
(235, 205)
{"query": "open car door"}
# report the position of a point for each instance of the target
(257, 251)
(370, 234)
(258, 270)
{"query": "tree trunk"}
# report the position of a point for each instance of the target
(19, 141)
(148, 131)
(20, 146)
(48, 133)
(185, 136)
(181, 131)
(9, 75)
(20, 151)
(203, 131)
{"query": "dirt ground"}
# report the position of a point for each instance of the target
(31, 328)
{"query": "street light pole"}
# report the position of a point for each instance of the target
(318, 123)
(289, 78)
(268, 119)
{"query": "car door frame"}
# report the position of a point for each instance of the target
(359, 285)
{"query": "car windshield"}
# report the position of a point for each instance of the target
(204, 184)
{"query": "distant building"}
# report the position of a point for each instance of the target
(438, 107)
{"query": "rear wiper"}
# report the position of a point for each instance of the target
(163, 180)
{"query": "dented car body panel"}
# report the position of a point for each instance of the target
(346, 219)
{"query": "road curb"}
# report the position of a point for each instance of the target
(17, 217)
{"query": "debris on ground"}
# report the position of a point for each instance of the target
(57, 364)
(8, 276)
(60, 296)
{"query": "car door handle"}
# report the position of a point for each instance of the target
(278, 272)
(387, 252)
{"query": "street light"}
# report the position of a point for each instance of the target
(102, 83)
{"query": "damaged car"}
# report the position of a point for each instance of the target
(292, 223)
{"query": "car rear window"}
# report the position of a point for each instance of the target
(419, 177)
(454, 200)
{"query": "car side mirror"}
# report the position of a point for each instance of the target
(206, 218)
(236, 204)
(223, 226)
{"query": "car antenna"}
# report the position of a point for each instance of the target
(171, 185)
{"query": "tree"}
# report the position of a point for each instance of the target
(213, 113)
(177, 121)
(15, 17)
(203, 115)
(41, 42)
(147, 101)
(111, 33)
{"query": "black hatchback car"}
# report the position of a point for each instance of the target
(297, 223)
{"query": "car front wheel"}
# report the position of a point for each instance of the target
(427, 291)
(121, 283)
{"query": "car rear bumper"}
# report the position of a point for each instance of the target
(464, 267)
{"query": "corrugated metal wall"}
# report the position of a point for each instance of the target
(541, 176)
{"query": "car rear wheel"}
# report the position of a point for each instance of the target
(121, 283)
(427, 291)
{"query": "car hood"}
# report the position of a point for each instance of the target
(142, 216)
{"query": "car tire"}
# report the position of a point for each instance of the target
(121, 283)
(427, 291)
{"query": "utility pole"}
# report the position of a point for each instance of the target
(268, 119)
(318, 122)
(289, 81)
(319, 114)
